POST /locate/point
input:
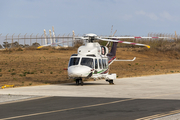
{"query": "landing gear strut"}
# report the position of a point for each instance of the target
(79, 81)
(110, 82)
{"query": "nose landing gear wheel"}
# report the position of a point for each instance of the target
(79, 81)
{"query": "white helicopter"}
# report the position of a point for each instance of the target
(93, 60)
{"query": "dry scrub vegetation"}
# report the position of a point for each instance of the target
(25, 67)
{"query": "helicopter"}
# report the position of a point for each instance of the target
(93, 60)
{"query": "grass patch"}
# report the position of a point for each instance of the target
(13, 73)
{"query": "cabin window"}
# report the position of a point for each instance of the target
(100, 65)
(74, 61)
(96, 64)
(106, 63)
(87, 62)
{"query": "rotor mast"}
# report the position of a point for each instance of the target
(91, 37)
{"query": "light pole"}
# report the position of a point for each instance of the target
(12, 40)
(41, 39)
(24, 39)
(18, 39)
(63, 40)
(6, 40)
(68, 39)
(58, 37)
(36, 37)
(30, 39)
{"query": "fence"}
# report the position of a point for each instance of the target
(163, 35)
(36, 40)
(25, 40)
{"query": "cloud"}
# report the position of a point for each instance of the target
(152, 16)
(127, 17)
(149, 15)
(140, 12)
(167, 16)
(159, 16)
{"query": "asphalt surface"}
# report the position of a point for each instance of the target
(82, 108)
(151, 97)
(8, 98)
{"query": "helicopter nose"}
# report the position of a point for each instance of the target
(79, 71)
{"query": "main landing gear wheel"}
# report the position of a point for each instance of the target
(79, 81)
(110, 82)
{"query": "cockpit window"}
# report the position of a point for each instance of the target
(74, 61)
(87, 62)
(100, 64)
(96, 64)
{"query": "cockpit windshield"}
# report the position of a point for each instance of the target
(74, 61)
(87, 62)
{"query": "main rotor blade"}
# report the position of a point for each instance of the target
(51, 44)
(133, 37)
(125, 42)
(83, 38)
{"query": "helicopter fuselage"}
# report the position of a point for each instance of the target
(91, 61)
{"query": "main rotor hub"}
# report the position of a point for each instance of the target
(91, 37)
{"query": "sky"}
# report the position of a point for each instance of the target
(128, 17)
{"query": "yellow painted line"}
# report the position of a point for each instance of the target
(24, 99)
(160, 115)
(88, 106)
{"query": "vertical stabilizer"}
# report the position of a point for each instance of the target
(112, 54)
(113, 49)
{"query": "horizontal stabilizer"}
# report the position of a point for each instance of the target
(126, 60)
